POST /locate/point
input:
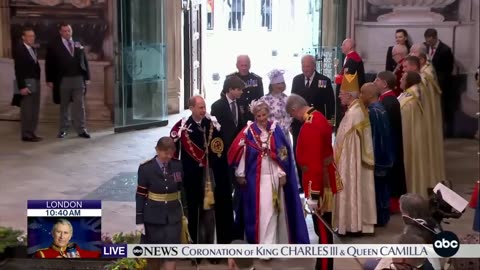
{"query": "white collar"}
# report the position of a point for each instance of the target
(65, 40)
(229, 100)
(310, 79)
(28, 46)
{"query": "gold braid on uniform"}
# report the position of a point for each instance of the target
(208, 200)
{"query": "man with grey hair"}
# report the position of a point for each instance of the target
(317, 91)
(62, 232)
(417, 217)
(201, 150)
(355, 206)
(352, 74)
(253, 89)
(418, 48)
(399, 52)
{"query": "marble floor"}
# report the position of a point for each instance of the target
(105, 166)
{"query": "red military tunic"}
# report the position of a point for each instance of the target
(314, 151)
(57, 252)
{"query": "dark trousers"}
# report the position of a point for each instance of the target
(30, 109)
(235, 21)
(201, 224)
(449, 106)
(72, 90)
(210, 21)
(223, 212)
(267, 20)
(324, 237)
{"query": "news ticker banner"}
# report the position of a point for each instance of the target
(64, 208)
(282, 251)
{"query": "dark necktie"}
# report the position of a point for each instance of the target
(307, 83)
(164, 168)
(233, 107)
(70, 47)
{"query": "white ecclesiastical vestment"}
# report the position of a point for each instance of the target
(272, 223)
(355, 209)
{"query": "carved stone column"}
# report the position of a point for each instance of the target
(5, 42)
(174, 55)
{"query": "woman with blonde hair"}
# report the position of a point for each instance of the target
(265, 170)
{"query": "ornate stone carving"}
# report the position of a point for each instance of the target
(411, 10)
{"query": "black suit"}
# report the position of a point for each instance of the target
(319, 95)
(443, 62)
(27, 74)
(222, 111)
(68, 72)
(390, 64)
(57, 60)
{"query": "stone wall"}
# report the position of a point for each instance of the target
(462, 35)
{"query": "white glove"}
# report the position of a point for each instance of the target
(140, 228)
(312, 205)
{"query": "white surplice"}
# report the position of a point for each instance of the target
(355, 209)
(273, 224)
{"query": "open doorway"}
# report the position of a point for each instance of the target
(274, 33)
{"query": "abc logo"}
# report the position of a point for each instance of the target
(137, 251)
(446, 244)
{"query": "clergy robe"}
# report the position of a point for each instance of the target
(431, 102)
(384, 156)
(396, 177)
(355, 205)
(262, 157)
(414, 141)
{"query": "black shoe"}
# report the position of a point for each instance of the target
(62, 134)
(37, 137)
(84, 135)
(31, 139)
